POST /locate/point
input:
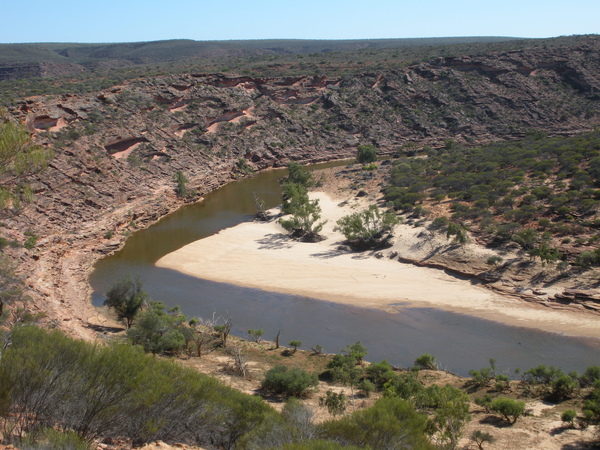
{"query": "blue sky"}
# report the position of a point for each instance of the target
(149, 20)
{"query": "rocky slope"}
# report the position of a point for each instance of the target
(117, 150)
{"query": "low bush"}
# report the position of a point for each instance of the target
(293, 382)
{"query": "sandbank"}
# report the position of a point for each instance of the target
(260, 255)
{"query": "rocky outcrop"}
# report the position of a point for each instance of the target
(588, 298)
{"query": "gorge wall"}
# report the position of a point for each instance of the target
(118, 150)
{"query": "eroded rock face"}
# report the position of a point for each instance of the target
(117, 150)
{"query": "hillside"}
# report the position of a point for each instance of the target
(117, 150)
(33, 69)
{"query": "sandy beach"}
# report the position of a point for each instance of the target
(260, 255)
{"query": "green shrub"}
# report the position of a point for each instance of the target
(502, 382)
(480, 437)
(380, 373)
(590, 376)
(159, 331)
(390, 423)
(51, 439)
(181, 190)
(300, 175)
(542, 375)
(126, 297)
(484, 402)
(294, 382)
(366, 154)
(365, 387)
(494, 260)
(450, 409)
(368, 229)
(439, 223)
(405, 386)
(30, 242)
(568, 417)
(357, 351)
(335, 403)
(101, 391)
(426, 361)
(255, 335)
(295, 344)
(563, 388)
(305, 214)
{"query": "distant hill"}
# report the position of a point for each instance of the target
(171, 50)
(66, 59)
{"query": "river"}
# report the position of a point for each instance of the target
(459, 342)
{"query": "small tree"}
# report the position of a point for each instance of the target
(450, 412)
(391, 423)
(126, 298)
(356, 351)
(484, 402)
(426, 361)
(224, 331)
(563, 388)
(568, 417)
(483, 376)
(458, 232)
(368, 229)
(295, 344)
(11, 286)
(182, 181)
(255, 335)
(299, 175)
(366, 154)
(508, 408)
(304, 221)
(335, 403)
(239, 366)
(481, 437)
(502, 382)
(200, 334)
(261, 212)
(294, 195)
(19, 159)
(343, 369)
(317, 349)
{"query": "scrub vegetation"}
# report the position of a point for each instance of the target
(56, 390)
(535, 192)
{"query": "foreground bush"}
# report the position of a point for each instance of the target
(158, 331)
(391, 423)
(48, 380)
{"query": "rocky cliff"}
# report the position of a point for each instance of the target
(117, 150)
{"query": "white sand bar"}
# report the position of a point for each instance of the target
(260, 255)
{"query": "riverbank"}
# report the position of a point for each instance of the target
(260, 255)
